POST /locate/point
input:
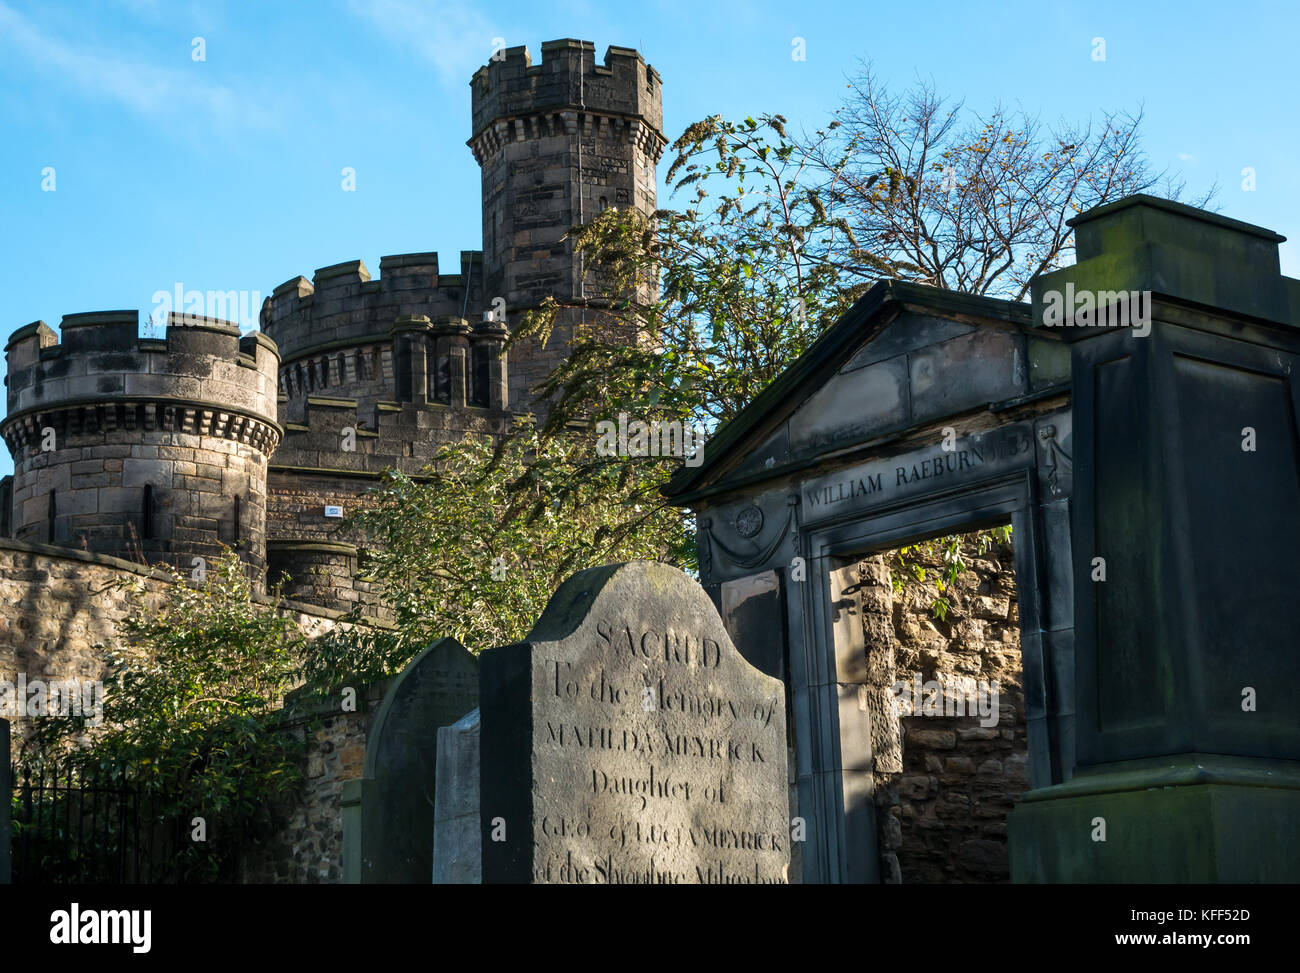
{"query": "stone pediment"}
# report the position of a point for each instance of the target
(904, 357)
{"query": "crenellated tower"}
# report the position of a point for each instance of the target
(375, 374)
(134, 447)
(170, 449)
(557, 142)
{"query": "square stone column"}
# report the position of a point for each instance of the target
(411, 341)
(491, 335)
(451, 378)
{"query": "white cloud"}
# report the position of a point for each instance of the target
(139, 86)
(455, 39)
(1186, 157)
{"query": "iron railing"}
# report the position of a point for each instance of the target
(89, 826)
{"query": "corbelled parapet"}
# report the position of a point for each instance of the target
(514, 100)
(202, 374)
(141, 447)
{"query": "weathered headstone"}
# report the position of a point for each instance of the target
(5, 839)
(628, 741)
(457, 849)
(392, 810)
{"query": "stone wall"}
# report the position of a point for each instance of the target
(57, 605)
(307, 848)
(945, 783)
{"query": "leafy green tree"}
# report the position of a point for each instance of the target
(475, 549)
(190, 701)
(784, 233)
(714, 300)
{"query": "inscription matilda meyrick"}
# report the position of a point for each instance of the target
(627, 741)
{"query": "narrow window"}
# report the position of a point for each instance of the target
(443, 377)
(146, 517)
(50, 523)
(236, 520)
(479, 394)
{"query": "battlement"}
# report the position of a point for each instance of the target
(202, 362)
(133, 446)
(514, 99)
(178, 446)
(342, 307)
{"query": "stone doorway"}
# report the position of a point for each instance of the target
(941, 640)
(918, 415)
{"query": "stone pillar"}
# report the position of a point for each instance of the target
(411, 358)
(491, 335)
(451, 378)
(1187, 483)
(350, 807)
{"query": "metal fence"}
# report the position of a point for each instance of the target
(88, 827)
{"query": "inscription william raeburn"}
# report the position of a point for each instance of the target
(991, 453)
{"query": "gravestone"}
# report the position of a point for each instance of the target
(628, 741)
(457, 851)
(389, 817)
(6, 842)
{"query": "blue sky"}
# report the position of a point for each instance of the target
(224, 174)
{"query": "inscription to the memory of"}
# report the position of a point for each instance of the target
(656, 754)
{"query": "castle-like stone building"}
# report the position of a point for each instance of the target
(166, 450)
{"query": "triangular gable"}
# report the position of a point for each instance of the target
(903, 356)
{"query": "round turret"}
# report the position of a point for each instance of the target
(152, 450)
